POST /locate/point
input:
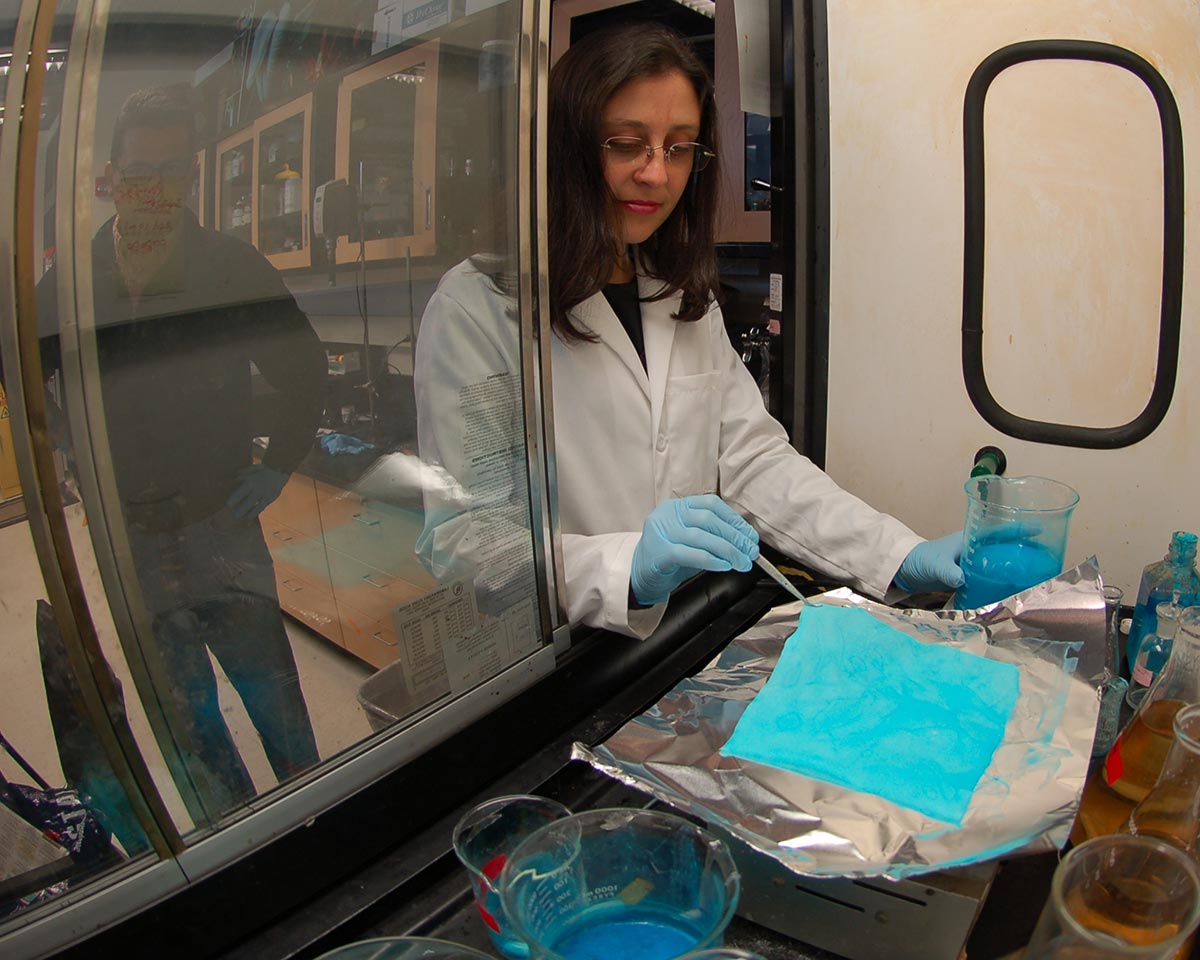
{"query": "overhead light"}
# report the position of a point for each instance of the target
(706, 8)
(56, 59)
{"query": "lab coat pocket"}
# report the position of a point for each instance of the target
(690, 432)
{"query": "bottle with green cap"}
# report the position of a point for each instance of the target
(1173, 579)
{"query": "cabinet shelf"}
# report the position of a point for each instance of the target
(281, 218)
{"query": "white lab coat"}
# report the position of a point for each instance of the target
(627, 438)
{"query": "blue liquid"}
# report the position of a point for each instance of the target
(1145, 619)
(614, 931)
(998, 570)
(510, 946)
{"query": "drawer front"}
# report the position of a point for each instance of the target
(309, 603)
(368, 589)
(380, 535)
(296, 506)
(376, 642)
(301, 551)
(371, 640)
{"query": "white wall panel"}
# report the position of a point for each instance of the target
(1073, 261)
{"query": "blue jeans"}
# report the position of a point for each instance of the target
(210, 587)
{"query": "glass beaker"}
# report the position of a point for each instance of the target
(1118, 896)
(634, 884)
(1015, 536)
(404, 948)
(484, 839)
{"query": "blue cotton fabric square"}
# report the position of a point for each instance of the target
(859, 704)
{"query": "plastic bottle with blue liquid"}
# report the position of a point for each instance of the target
(1172, 579)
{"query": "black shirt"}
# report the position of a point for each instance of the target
(623, 298)
(175, 369)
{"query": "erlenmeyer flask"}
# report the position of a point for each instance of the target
(1171, 810)
(1136, 759)
(1133, 764)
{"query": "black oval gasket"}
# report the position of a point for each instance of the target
(1172, 274)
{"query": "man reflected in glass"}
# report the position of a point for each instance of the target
(185, 317)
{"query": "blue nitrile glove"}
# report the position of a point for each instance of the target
(682, 537)
(932, 565)
(258, 486)
(339, 443)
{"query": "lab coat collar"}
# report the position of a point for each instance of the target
(658, 334)
(596, 314)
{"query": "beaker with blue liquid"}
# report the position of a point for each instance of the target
(609, 883)
(1015, 536)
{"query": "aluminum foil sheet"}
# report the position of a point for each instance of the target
(1053, 633)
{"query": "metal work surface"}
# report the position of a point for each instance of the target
(877, 920)
(447, 910)
(419, 888)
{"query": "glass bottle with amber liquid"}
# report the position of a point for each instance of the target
(1135, 761)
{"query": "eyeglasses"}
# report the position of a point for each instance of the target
(693, 156)
(137, 173)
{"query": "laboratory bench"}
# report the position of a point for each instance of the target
(345, 560)
(381, 863)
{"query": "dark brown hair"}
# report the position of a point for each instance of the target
(583, 238)
(159, 108)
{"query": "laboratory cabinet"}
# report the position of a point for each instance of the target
(197, 194)
(234, 193)
(263, 184)
(386, 148)
(10, 482)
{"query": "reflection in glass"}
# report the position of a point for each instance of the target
(252, 435)
(758, 161)
(235, 188)
(394, 116)
(65, 815)
(281, 172)
(381, 153)
(180, 315)
(196, 194)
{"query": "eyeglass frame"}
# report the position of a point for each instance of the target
(150, 171)
(700, 151)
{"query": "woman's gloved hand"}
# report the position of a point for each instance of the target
(257, 488)
(682, 537)
(932, 565)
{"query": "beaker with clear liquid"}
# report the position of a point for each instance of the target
(1015, 536)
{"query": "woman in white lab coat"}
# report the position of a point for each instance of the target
(667, 461)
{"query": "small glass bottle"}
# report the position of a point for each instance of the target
(1112, 686)
(1154, 652)
(1173, 578)
(1132, 766)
